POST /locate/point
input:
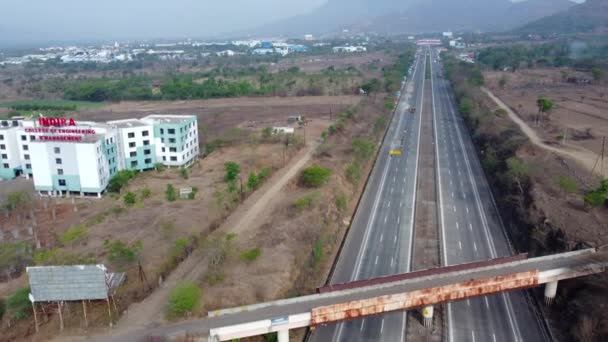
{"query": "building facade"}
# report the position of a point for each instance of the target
(65, 157)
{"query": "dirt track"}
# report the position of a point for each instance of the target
(582, 156)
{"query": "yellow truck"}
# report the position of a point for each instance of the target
(394, 152)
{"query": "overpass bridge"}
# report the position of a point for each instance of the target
(421, 289)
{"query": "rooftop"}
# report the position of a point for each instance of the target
(174, 119)
(58, 283)
(127, 123)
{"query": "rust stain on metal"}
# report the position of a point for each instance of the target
(409, 300)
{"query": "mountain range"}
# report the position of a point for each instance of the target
(590, 16)
(415, 16)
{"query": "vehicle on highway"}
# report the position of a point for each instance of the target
(412, 110)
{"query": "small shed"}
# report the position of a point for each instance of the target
(71, 283)
(283, 130)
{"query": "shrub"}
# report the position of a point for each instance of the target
(232, 171)
(120, 180)
(184, 298)
(318, 252)
(267, 132)
(159, 167)
(178, 251)
(119, 253)
(14, 257)
(129, 198)
(595, 198)
(183, 172)
(251, 255)
(72, 235)
(44, 257)
(263, 174)
(18, 304)
(353, 173)
(363, 148)
(146, 192)
(567, 184)
(341, 202)
(315, 176)
(306, 201)
(379, 124)
(170, 193)
(253, 181)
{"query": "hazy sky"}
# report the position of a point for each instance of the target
(116, 19)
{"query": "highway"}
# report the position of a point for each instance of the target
(471, 228)
(379, 242)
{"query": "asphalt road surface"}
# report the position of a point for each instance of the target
(472, 229)
(380, 239)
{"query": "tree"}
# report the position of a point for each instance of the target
(363, 148)
(597, 73)
(371, 86)
(315, 176)
(544, 105)
(267, 132)
(232, 171)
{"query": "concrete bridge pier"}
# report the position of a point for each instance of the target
(283, 335)
(550, 292)
(427, 314)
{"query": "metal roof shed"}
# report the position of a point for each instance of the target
(71, 283)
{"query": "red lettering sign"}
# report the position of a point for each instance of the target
(56, 122)
(59, 138)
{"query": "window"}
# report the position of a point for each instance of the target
(172, 149)
(60, 172)
(32, 138)
(23, 138)
(2, 147)
(1, 137)
(26, 156)
(164, 158)
(162, 131)
(146, 142)
(61, 182)
(58, 150)
(171, 140)
(25, 148)
(134, 163)
(133, 154)
(162, 149)
(146, 152)
(5, 165)
(171, 130)
(28, 166)
(173, 158)
(144, 133)
(131, 135)
(4, 156)
(58, 161)
(148, 161)
(131, 144)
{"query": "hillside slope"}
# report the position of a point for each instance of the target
(589, 16)
(414, 16)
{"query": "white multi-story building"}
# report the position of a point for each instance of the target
(65, 157)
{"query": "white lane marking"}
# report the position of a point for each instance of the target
(487, 303)
(473, 335)
(452, 194)
(395, 241)
(470, 227)
(494, 337)
(467, 210)
(457, 226)
(362, 324)
(402, 189)
(459, 244)
(385, 217)
(400, 204)
(389, 204)
(474, 246)
(468, 302)
(508, 304)
(376, 262)
(382, 326)
(381, 237)
(392, 261)
(464, 195)
(394, 177)
(392, 189)
(449, 172)
(454, 208)
(398, 219)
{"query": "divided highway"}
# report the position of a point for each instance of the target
(380, 239)
(471, 229)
